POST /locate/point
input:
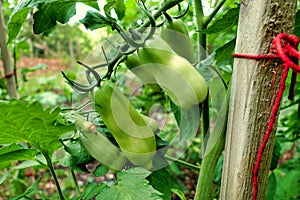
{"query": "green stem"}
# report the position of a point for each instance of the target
(184, 163)
(208, 19)
(202, 55)
(200, 26)
(75, 181)
(204, 188)
(52, 171)
(164, 7)
(205, 120)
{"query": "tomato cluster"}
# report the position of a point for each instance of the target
(164, 63)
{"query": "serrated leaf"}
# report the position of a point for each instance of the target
(297, 24)
(160, 180)
(131, 184)
(49, 14)
(228, 20)
(15, 22)
(18, 17)
(94, 20)
(225, 52)
(91, 190)
(22, 154)
(23, 122)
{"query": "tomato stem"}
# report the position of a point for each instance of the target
(183, 163)
(52, 171)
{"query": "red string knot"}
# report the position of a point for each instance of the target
(284, 47)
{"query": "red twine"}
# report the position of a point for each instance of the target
(285, 47)
(8, 75)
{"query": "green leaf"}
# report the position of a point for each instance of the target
(22, 154)
(93, 4)
(33, 189)
(79, 157)
(297, 24)
(120, 9)
(288, 185)
(18, 17)
(16, 21)
(160, 180)
(131, 184)
(275, 155)
(188, 125)
(91, 190)
(100, 170)
(4, 176)
(23, 122)
(9, 148)
(49, 14)
(228, 20)
(179, 193)
(225, 52)
(271, 187)
(118, 6)
(27, 164)
(94, 20)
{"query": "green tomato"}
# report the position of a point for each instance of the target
(176, 34)
(176, 76)
(99, 146)
(132, 133)
(133, 63)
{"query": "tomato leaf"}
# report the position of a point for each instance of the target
(94, 20)
(91, 190)
(228, 20)
(15, 22)
(22, 154)
(49, 14)
(93, 4)
(225, 52)
(18, 17)
(23, 122)
(131, 184)
(160, 180)
(118, 6)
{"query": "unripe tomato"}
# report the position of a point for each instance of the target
(134, 136)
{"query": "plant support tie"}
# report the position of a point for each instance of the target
(8, 75)
(284, 47)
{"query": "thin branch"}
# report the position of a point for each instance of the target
(213, 13)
